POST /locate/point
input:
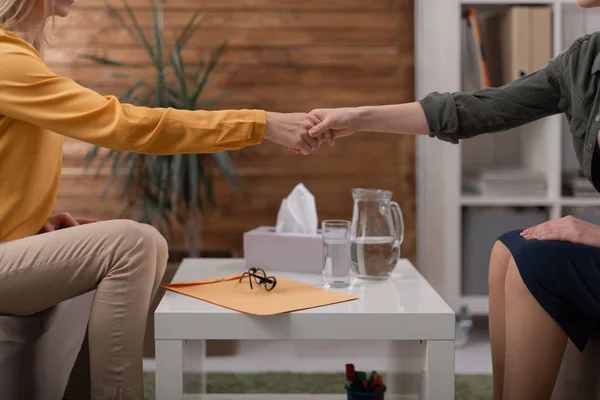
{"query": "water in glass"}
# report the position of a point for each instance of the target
(336, 253)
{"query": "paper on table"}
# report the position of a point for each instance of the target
(287, 295)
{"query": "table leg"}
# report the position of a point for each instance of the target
(438, 382)
(193, 363)
(169, 369)
(407, 363)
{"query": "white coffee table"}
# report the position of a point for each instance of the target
(404, 309)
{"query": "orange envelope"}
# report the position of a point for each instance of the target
(287, 295)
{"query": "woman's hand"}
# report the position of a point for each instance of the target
(335, 123)
(566, 229)
(63, 220)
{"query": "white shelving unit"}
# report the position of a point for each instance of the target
(544, 145)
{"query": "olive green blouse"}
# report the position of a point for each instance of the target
(568, 84)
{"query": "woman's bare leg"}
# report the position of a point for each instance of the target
(535, 344)
(497, 275)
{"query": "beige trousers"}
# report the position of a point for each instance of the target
(125, 262)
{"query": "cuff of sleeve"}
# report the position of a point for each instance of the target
(440, 113)
(259, 127)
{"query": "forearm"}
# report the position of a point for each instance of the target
(171, 131)
(408, 118)
(457, 115)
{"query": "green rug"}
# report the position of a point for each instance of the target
(468, 387)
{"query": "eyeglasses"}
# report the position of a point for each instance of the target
(260, 277)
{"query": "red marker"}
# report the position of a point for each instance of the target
(378, 380)
(377, 384)
(350, 374)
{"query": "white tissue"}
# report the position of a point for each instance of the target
(298, 212)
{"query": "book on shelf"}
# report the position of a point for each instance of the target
(502, 46)
(475, 72)
(527, 40)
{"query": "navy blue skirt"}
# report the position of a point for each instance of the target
(564, 278)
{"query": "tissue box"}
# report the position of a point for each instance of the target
(292, 252)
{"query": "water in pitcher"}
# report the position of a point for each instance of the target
(374, 257)
(336, 262)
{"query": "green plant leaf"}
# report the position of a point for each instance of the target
(200, 68)
(164, 181)
(226, 166)
(113, 172)
(133, 168)
(164, 223)
(208, 188)
(114, 13)
(114, 75)
(91, 155)
(146, 100)
(179, 71)
(152, 168)
(189, 29)
(149, 213)
(129, 93)
(107, 61)
(158, 28)
(192, 160)
(176, 96)
(212, 64)
(176, 178)
(158, 35)
(107, 157)
(138, 30)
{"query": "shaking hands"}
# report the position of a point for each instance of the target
(303, 133)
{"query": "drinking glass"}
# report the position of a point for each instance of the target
(336, 253)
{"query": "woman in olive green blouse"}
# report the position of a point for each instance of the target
(544, 280)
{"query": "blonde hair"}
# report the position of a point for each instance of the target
(15, 14)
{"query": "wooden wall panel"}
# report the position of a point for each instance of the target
(283, 55)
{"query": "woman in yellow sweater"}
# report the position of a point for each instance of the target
(42, 264)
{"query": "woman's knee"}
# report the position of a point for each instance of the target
(504, 273)
(154, 236)
(499, 252)
(499, 260)
(140, 243)
(146, 233)
(161, 248)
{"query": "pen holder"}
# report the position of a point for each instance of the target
(354, 395)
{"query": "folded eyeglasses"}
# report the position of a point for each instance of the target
(259, 276)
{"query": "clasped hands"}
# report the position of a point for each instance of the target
(305, 132)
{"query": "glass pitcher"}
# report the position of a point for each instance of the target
(377, 233)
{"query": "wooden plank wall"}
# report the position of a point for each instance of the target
(283, 55)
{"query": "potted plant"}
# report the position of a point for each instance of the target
(160, 190)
